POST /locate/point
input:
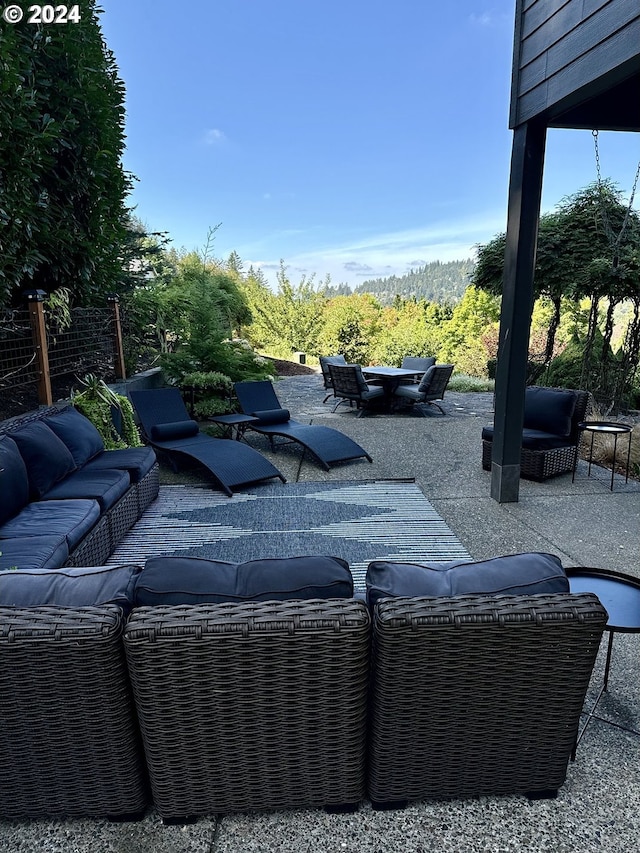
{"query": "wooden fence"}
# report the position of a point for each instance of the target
(36, 346)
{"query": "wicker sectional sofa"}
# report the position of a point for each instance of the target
(209, 687)
(64, 499)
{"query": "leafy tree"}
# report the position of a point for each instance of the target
(63, 216)
(408, 328)
(588, 248)
(350, 326)
(462, 341)
(289, 320)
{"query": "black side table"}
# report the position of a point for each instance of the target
(234, 424)
(619, 594)
(605, 428)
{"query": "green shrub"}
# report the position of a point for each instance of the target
(209, 391)
(462, 382)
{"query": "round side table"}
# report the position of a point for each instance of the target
(619, 594)
(605, 428)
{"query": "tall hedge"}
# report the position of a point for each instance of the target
(63, 217)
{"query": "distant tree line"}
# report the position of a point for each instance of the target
(444, 283)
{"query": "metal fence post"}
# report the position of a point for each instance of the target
(35, 300)
(118, 350)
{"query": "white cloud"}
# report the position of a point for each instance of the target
(389, 253)
(214, 136)
(490, 18)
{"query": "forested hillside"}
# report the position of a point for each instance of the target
(439, 282)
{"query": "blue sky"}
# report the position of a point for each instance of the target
(357, 138)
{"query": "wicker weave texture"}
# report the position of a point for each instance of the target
(251, 706)
(478, 695)
(69, 741)
(95, 548)
(538, 465)
(147, 489)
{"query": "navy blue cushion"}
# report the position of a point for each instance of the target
(533, 439)
(71, 519)
(272, 416)
(69, 587)
(14, 482)
(193, 580)
(33, 552)
(105, 486)
(48, 459)
(513, 574)
(78, 433)
(138, 461)
(173, 430)
(549, 409)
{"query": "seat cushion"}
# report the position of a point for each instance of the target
(409, 392)
(533, 439)
(193, 580)
(71, 519)
(33, 552)
(173, 430)
(78, 434)
(14, 481)
(70, 587)
(105, 486)
(138, 461)
(48, 459)
(549, 410)
(513, 574)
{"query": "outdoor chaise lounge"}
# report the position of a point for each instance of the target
(168, 428)
(328, 445)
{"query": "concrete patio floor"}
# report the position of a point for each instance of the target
(584, 523)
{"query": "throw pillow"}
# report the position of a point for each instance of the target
(48, 459)
(549, 409)
(272, 416)
(14, 483)
(78, 434)
(174, 430)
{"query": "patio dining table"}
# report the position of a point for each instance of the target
(389, 378)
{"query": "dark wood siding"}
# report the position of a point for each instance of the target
(564, 47)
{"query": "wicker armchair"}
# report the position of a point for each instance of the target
(251, 706)
(542, 463)
(69, 739)
(478, 695)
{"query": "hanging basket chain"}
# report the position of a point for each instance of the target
(613, 239)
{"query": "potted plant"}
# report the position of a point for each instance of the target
(110, 413)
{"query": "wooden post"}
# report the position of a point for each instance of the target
(525, 191)
(35, 299)
(118, 350)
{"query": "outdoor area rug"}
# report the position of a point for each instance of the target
(358, 521)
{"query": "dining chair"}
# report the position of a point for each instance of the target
(350, 385)
(431, 387)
